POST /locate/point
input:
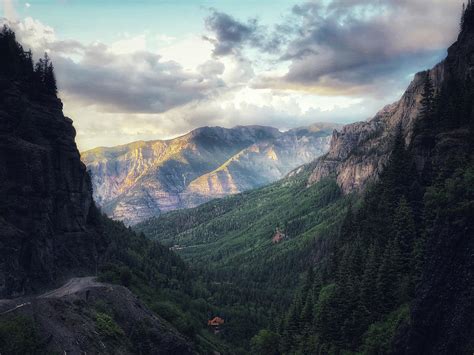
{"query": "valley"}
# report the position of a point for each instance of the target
(323, 239)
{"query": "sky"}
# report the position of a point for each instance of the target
(156, 69)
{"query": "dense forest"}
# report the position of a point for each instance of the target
(378, 274)
(388, 245)
(250, 275)
(162, 280)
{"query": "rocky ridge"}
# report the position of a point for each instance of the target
(143, 179)
(359, 151)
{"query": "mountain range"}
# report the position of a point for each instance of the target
(140, 180)
(380, 225)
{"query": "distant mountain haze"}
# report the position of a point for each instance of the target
(139, 180)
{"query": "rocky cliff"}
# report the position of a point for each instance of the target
(441, 145)
(359, 151)
(46, 228)
(50, 231)
(142, 179)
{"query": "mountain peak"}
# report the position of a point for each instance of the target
(141, 180)
(359, 151)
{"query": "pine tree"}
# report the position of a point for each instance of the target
(405, 233)
(50, 80)
(307, 312)
(44, 73)
(427, 99)
(386, 278)
(395, 177)
(367, 304)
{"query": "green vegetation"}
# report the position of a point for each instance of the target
(107, 327)
(378, 338)
(375, 251)
(265, 343)
(160, 279)
(18, 335)
(384, 251)
(249, 278)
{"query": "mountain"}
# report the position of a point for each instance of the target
(46, 209)
(359, 151)
(378, 232)
(143, 179)
(51, 232)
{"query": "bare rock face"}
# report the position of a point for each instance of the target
(46, 227)
(143, 179)
(358, 152)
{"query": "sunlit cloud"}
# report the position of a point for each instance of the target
(336, 60)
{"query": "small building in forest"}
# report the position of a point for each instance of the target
(215, 324)
(278, 236)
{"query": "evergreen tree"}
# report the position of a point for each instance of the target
(368, 302)
(405, 234)
(386, 279)
(428, 99)
(50, 80)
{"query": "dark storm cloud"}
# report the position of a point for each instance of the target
(232, 35)
(138, 82)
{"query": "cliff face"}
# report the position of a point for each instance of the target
(51, 231)
(45, 194)
(359, 151)
(142, 179)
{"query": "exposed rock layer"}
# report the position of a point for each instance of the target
(359, 151)
(142, 179)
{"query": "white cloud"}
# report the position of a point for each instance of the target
(150, 86)
(9, 10)
(190, 52)
(129, 45)
(34, 34)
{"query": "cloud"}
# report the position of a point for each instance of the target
(129, 45)
(230, 36)
(356, 47)
(9, 10)
(335, 60)
(139, 82)
(121, 77)
(190, 51)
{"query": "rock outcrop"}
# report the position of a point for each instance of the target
(359, 151)
(142, 179)
(46, 226)
(441, 319)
